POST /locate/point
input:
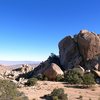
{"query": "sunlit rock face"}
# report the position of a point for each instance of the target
(82, 48)
(89, 44)
(69, 53)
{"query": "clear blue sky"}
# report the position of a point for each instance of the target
(31, 29)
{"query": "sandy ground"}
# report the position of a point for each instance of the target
(45, 87)
(3, 69)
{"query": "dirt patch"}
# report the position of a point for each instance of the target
(46, 87)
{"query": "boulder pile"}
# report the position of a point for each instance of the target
(82, 52)
(83, 49)
(18, 75)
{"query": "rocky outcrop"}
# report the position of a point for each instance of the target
(41, 68)
(44, 65)
(89, 44)
(83, 49)
(53, 71)
(69, 53)
(24, 68)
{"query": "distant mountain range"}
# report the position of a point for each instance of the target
(9, 63)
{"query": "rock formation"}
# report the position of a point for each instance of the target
(69, 53)
(83, 49)
(25, 68)
(89, 44)
(81, 52)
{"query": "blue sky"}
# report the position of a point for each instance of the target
(31, 29)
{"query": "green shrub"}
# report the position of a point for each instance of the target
(58, 94)
(45, 78)
(8, 91)
(31, 81)
(59, 78)
(40, 77)
(63, 97)
(78, 70)
(88, 79)
(73, 77)
(55, 98)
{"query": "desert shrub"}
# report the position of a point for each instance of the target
(8, 91)
(78, 70)
(40, 77)
(80, 97)
(45, 78)
(63, 97)
(58, 94)
(55, 98)
(59, 78)
(32, 81)
(88, 79)
(73, 77)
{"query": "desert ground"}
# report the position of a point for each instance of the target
(45, 87)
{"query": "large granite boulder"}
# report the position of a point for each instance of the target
(69, 53)
(89, 44)
(83, 49)
(53, 71)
